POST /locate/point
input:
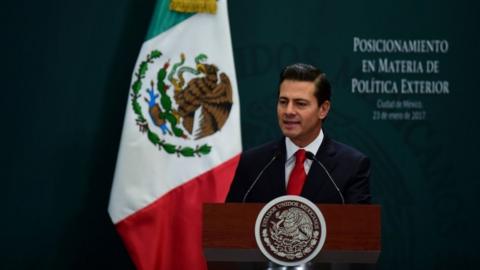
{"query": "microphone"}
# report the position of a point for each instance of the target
(275, 155)
(311, 156)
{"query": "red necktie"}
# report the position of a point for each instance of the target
(298, 175)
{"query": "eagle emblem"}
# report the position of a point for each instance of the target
(181, 101)
(290, 230)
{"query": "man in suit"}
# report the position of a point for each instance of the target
(305, 161)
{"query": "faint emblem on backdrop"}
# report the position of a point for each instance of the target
(290, 230)
(181, 101)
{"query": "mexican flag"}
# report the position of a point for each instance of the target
(181, 139)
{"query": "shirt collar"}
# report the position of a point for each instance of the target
(312, 147)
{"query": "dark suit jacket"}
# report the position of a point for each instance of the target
(348, 167)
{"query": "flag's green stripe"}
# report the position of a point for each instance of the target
(163, 18)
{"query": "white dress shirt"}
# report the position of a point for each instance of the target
(292, 149)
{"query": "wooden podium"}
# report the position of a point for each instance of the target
(353, 233)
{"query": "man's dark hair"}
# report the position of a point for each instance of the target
(308, 73)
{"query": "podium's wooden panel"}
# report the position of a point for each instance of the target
(353, 232)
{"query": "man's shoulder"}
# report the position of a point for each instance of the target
(345, 150)
(268, 148)
(263, 153)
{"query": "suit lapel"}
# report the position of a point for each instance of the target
(276, 173)
(317, 185)
(326, 154)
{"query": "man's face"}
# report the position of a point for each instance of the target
(299, 115)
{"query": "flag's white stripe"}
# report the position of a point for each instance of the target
(143, 173)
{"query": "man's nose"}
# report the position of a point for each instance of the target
(290, 109)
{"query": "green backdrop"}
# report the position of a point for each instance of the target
(66, 68)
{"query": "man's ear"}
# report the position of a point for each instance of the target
(324, 109)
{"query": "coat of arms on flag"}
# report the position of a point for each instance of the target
(199, 108)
